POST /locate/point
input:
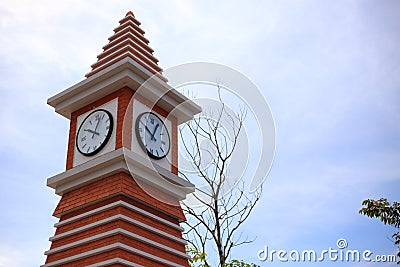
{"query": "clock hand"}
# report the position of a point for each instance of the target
(147, 129)
(97, 125)
(154, 132)
(151, 135)
(91, 131)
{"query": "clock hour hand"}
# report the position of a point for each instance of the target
(147, 130)
(91, 131)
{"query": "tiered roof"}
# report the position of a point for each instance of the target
(128, 41)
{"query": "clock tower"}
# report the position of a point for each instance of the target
(120, 191)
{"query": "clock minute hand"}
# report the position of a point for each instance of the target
(154, 132)
(147, 130)
(151, 135)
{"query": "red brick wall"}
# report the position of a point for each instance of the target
(174, 146)
(115, 211)
(119, 224)
(124, 240)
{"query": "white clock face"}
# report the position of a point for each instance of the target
(94, 132)
(152, 135)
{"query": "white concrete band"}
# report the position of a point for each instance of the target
(108, 248)
(114, 218)
(116, 204)
(114, 232)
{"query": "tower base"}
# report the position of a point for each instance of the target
(113, 222)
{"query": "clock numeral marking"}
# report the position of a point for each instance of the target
(151, 151)
(152, 120)
(108, 127)
(90, 122)
(94, 148)
(157, 153)
(102, 117)
(87, 151)
(84, 145)
(162, 142)
(162, 149)
(83, 139)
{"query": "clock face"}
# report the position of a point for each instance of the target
(94, 132)
(152, 135)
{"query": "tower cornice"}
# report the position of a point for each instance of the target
(126, 72)
(121, 160)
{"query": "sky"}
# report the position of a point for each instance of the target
(330, 71)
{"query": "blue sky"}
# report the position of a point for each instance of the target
(330, 71)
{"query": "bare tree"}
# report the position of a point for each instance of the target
(213, 226)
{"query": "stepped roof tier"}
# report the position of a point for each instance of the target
(128, 41)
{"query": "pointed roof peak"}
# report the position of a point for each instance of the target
(128, 41)
(129, 13)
